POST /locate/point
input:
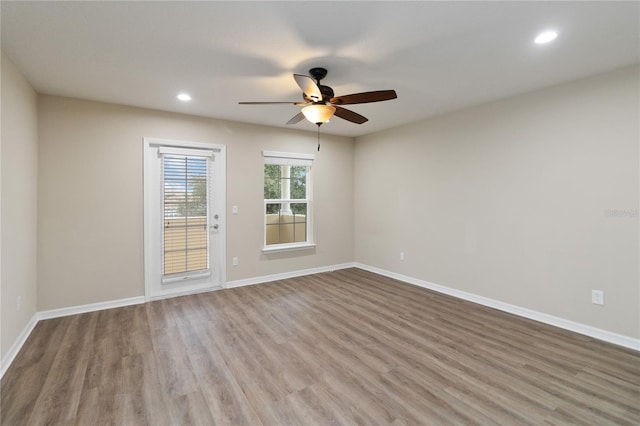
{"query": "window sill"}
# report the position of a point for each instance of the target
(287, 247)
(185, 277)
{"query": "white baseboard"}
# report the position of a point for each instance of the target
(91, 307)
(17, 345)
(587, 330)
(285, 275)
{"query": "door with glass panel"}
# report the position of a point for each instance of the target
(184, 223)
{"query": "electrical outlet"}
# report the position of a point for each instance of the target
(235, 261)
(597, 297)
(402, 256)
(19, 302)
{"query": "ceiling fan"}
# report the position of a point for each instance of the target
(320, 104)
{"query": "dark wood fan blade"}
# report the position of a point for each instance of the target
(296, 118)
(276, 103)
(269, 103)
(350, 115)
(308, 86)
(364, 97)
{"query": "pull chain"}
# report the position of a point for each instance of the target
(318, 136)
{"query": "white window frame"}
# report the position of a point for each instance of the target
(290, 159)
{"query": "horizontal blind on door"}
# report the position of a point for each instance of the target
(185, 204)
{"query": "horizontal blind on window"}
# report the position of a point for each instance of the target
(287, 159)
(162, 150)
(185, 203)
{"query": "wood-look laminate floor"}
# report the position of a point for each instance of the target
(347, 347)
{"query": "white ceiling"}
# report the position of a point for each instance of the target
(438, 56)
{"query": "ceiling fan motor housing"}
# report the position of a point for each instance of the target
(327, 92)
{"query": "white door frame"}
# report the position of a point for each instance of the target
(219, 243)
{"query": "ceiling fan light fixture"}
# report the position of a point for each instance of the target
(318, 113)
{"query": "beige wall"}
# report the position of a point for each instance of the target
(509, 200)
(19, 171)
(91, 184)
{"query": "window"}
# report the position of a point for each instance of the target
(185, 212)
(287, 201)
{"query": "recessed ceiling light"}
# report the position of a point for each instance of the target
(184, 97)
(546, 37)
